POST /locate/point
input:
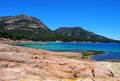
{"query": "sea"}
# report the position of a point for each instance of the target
(112, 49)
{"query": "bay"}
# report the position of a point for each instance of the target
(113, 49)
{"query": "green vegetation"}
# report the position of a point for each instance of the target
(89, 54)
(43, 35)
(118, 61)
(80, 34)
(39, 35)
(31, 28)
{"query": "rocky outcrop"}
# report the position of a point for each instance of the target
(25, 64)
(7, 41)
(21, 22)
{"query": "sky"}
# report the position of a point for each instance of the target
(99, 16)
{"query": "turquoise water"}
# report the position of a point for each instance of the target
(113, 49)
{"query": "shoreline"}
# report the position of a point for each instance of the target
(87, 55)
(9, 41)
(25, 64)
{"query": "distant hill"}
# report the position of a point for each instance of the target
(82, 34)
(31, 28)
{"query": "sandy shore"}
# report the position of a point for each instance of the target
(26, 64)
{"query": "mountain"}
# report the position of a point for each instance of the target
(23, 27)
(21, 22)
(82, 34)
(31, 28)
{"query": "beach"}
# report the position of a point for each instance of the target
(27, 64)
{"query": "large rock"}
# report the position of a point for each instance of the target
(25, 64)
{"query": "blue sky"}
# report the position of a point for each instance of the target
(99, 16)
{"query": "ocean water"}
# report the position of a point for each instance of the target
(112, 49)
